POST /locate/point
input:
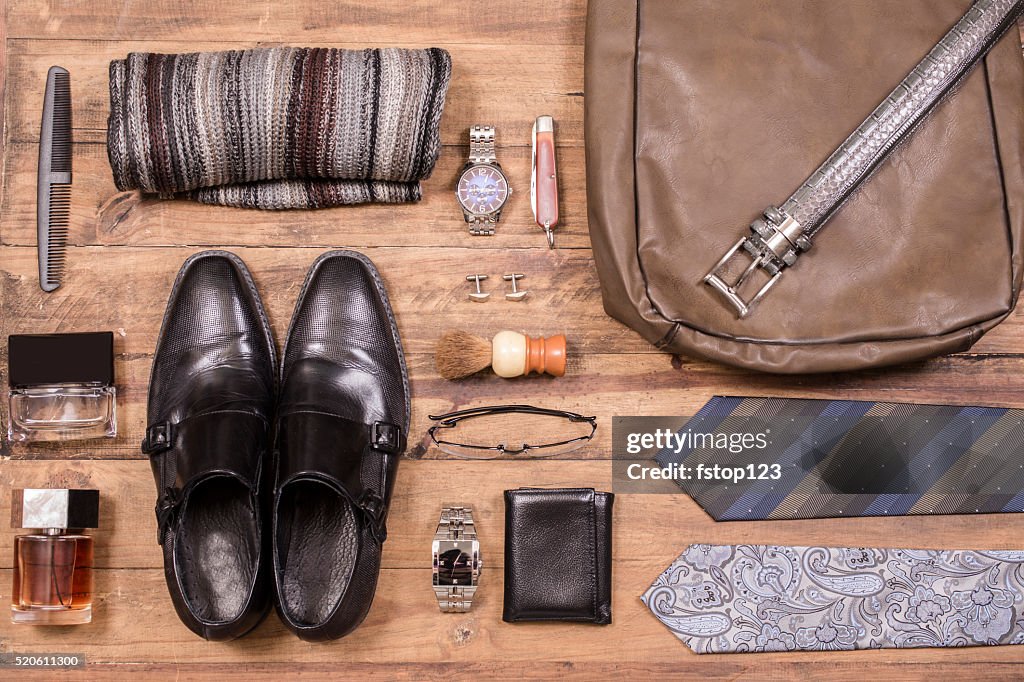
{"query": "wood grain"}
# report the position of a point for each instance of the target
(129, 538)
(737, 667)
(385, 22)
(482, 88)
(126, 289)
(406, 618)
(511, 63)
(604, 384)
(3, 115)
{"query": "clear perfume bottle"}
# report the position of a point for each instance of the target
(53, 582)
(61, 386)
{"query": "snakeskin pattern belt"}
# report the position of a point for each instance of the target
(783, 233)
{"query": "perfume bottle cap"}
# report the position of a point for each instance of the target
(55, 508)
(36, 359)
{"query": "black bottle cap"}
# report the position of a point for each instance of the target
(34, 359)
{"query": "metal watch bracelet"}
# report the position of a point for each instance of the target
(456, 524)
(481, 225)
(481, 150)
(481, 145)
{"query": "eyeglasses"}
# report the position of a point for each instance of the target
(501, 425)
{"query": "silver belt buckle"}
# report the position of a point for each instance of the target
(776, 242)
(731, 291)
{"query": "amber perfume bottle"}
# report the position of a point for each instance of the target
(61, 386)
(53, 563)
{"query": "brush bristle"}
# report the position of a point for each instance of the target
(460, 354)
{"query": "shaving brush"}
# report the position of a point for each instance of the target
(509, 354)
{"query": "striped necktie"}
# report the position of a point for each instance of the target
(757, 598)
(844, 458)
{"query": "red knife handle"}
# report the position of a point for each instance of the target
(546, 181)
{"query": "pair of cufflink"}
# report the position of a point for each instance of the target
(480, 296)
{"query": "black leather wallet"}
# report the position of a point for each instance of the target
(558, 555)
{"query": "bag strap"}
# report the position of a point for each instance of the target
(783, 233)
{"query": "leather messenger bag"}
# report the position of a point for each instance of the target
(705, 115)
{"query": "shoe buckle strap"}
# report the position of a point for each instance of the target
(387, 438)
(166, 511)
(159, 438)
(372, 505)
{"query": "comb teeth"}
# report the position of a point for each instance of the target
(60, 136)
(53, 185)
(57, 237)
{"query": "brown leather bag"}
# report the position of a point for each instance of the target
(700, 113)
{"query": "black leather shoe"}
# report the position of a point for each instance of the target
(211, 399)
(342, 420)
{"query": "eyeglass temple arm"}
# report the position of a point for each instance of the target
(451, 418)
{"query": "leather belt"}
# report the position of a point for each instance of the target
(779, 237)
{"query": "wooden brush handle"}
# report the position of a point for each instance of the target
(516, 355)
(546, 356)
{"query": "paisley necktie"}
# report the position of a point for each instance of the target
(756, 598)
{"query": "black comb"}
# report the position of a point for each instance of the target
(53, 186)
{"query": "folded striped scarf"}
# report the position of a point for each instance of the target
(280, 127)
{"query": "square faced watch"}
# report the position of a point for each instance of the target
(457, 562)
(483, 189)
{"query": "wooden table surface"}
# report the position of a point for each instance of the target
(511, 62)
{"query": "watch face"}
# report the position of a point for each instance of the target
(482, 190)
(454, 567)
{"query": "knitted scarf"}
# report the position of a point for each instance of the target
(279, 127)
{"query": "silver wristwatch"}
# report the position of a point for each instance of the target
(457, 562)
(483, 188)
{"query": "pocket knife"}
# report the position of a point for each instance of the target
(544, 179)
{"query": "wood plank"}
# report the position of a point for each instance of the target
(737, 667)
(607, 385)
(508, 93)
(4, 161)
(127, 289)
(612, 371)
(432, 396)
(102, 216)
(303, 21)
(127, 538)
(404, 626)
